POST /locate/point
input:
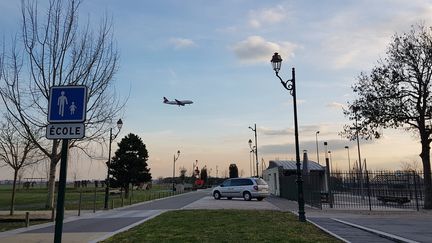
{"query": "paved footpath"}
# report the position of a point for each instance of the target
(367, 226)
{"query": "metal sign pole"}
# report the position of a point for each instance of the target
(61, 192)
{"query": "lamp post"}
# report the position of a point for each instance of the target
(111, 138)
(331, 161)
(349, 161)
(175, 159)
(316, 140)
(256, 148)
(290, 86)
(250, 158)
(357, 128)
(252, 151)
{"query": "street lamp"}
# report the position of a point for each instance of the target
(357, 128)
(175, 159)
(290, 86)
(252, 153)
(331, 161)
(316, 140)
(256, 148)
(112, 137)
(349, 162)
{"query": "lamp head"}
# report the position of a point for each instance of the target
(119, 124)
(317, 132)
(346, 147)
(325, 143)
(276, 62)
(250, 142)
(178, 153)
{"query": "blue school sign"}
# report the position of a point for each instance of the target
(67, 104)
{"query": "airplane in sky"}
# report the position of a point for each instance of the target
(177, 102)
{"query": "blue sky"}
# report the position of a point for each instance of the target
(217, 53)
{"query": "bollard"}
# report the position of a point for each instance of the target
(79, 203)
(52, 214)
(122, 199)
(94, 201)
(27, 219)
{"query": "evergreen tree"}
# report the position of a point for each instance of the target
(233, 171)
(203, 174)
(129, 165)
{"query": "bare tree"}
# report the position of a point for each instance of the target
(16, 152)
(397, 93)
(55, 51)
(183, 171)
(414, 165)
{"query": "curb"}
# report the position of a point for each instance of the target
(377, 232)
(328, 232)
(110, 234)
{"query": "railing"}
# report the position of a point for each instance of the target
(370, 190)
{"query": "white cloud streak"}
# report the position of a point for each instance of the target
(255, 49)
(180, 43)
(258, 18)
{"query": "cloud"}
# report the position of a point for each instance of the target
(355, 37)
(272, 132)
(256, 49)
(289, 148)
(258, 18)
(290, 102)
(306, 129)
(180, 43)
(336, 105)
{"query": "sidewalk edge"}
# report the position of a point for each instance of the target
(377, 232)
(328, 231)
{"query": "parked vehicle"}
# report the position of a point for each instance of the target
(246, 188)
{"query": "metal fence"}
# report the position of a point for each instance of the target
(370, 190)
(376, 190)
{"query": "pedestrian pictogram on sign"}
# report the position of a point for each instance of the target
(67, 104)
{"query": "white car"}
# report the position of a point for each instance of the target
(246, 188)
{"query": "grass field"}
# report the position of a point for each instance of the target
(15, 224)
(223, 226)
(91, 197)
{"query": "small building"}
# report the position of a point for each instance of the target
(281, 175)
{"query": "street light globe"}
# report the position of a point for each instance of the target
(178, 152)
(250, 143)
(119, 124)
(276, 62)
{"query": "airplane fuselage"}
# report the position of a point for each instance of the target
(177, 102)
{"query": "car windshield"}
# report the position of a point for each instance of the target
(260, 181)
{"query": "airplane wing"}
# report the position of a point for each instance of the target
(179, 102)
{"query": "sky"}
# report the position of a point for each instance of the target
(217, 54)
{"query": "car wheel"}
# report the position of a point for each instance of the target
(229, 198)
(216, 195)
(247, 196)
(260, 198)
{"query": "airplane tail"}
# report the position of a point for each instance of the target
(165, 100)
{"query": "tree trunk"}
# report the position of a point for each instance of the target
(51, 179)
(126, 189)
(12, 204)
(425, 156)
